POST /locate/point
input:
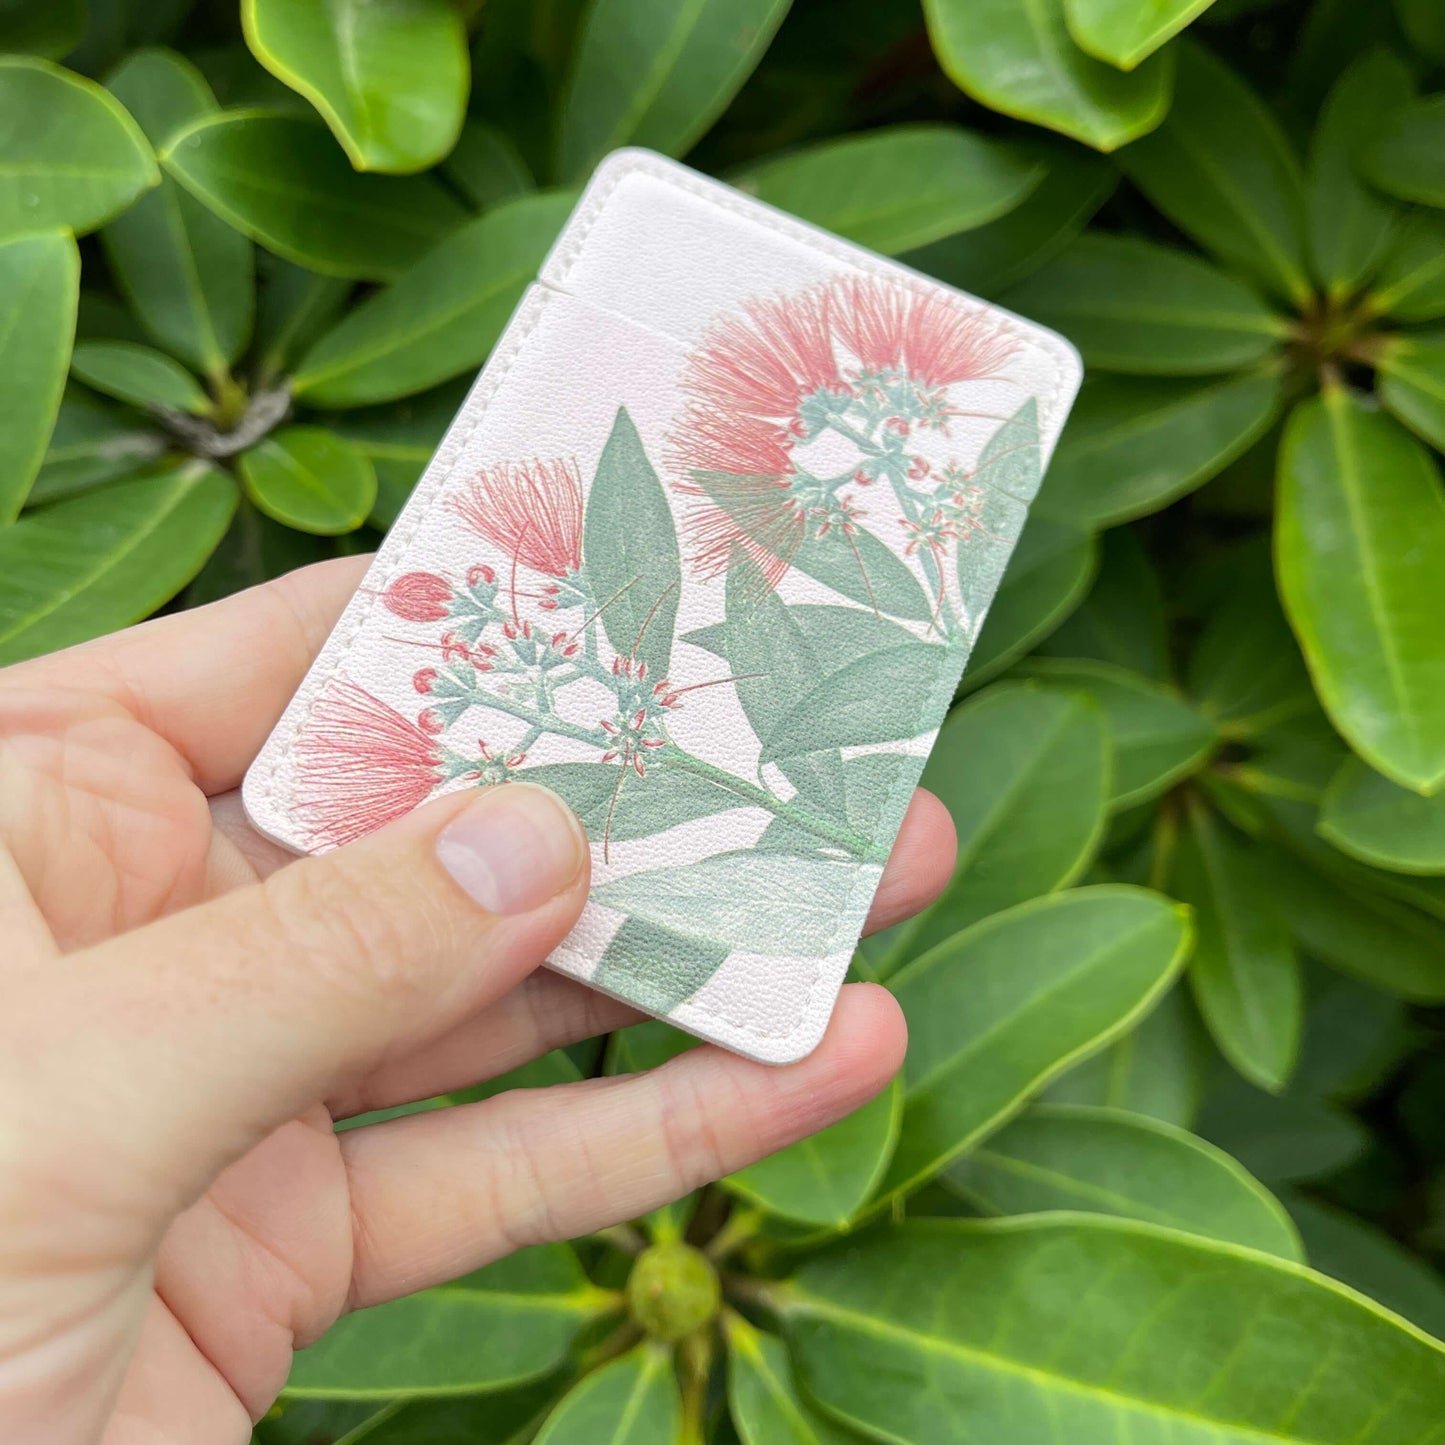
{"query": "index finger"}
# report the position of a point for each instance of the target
(212, 681)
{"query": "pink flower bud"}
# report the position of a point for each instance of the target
(423, 679)
(419, 597)
(430, 722)
(480, 573)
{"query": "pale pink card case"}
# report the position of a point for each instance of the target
(705, 550)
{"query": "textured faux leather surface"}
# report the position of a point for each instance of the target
(647, 562)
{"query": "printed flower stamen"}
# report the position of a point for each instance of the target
(532, 511)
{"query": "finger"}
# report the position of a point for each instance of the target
(212, 681)
(548, 1012)
(438, 1194)
(214, 1025)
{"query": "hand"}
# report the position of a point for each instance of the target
(188, 1009)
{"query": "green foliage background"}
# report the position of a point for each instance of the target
(1214, 677)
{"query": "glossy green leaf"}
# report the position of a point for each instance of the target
(486, 167)
(657, 73)
(826, 1179)
(1086, 1328)
(1407, 158)
(294, 309)
(504, 1417)
(528, 1307)
(1244, 971)
(1133, 445)
(1350, 225)
(1021, 60)
(440, 317)
(767, 1407)
(1384, 942)
(1107, 1161)
(1412, 384)
(898, 187)
(103, 560)
(1280, 1138)
(1133, 306)
(631, 1401)
(1122, 619)
(141, 375)
(39, 289)
(988, 258)
(1025, 773)
(1354, 1037)
(311, 479)
(1221, 169)
(187, 275)
(1379, 822)
(51, 30)
(254, 550)
(73, 157)
(281, 180)
(1158, 1068)
(1158, 736)
(630, 551)
(999, 1009)
(1410, 284)
(390, 77)
(1124, 32)
(1047, 576)
(1359, 533)
(1368, 1260)
(93, 443)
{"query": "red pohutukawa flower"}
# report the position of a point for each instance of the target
(531, 510)
(359, 764)
(418, 597)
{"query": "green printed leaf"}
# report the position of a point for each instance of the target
(988, 258)
(529, 1307)
(187, 275)
(486, 167)
(40, 286)
(390, 77)
(1158, 736)
(1106, 1161)
(1122, 619)
(866, 572)
(826, 1179)
(657, 73)
(766, 1405)
(1158, 1068)
(73, 157)
(1048, 575)
(999, 1009)
(654, 967)
(1133, 445)
(1244, 972)
(1410, 285)
(1281, 1138)
(940, 1329)
(898, 187)
(1359, 532)
(281, 180)
(1124, 32)
(440, 317)
(1011, 462)
(761, 902)
(311, 479)
(1407, 157)
(1220, 168)
(103, 560)
(638, 807)
(1351, 226)
(631, 1401)
(141, 375)
(1133, 306)
(1412, 384)
(92, 444)
(630, 552)
(1021, 60)
(890, 695)
(1025, 773)
(1379, 822)
(1368, 1260)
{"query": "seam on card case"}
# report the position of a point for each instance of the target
(494, 375)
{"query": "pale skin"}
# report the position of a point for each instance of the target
(188, 1009)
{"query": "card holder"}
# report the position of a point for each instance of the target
(704, 550)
